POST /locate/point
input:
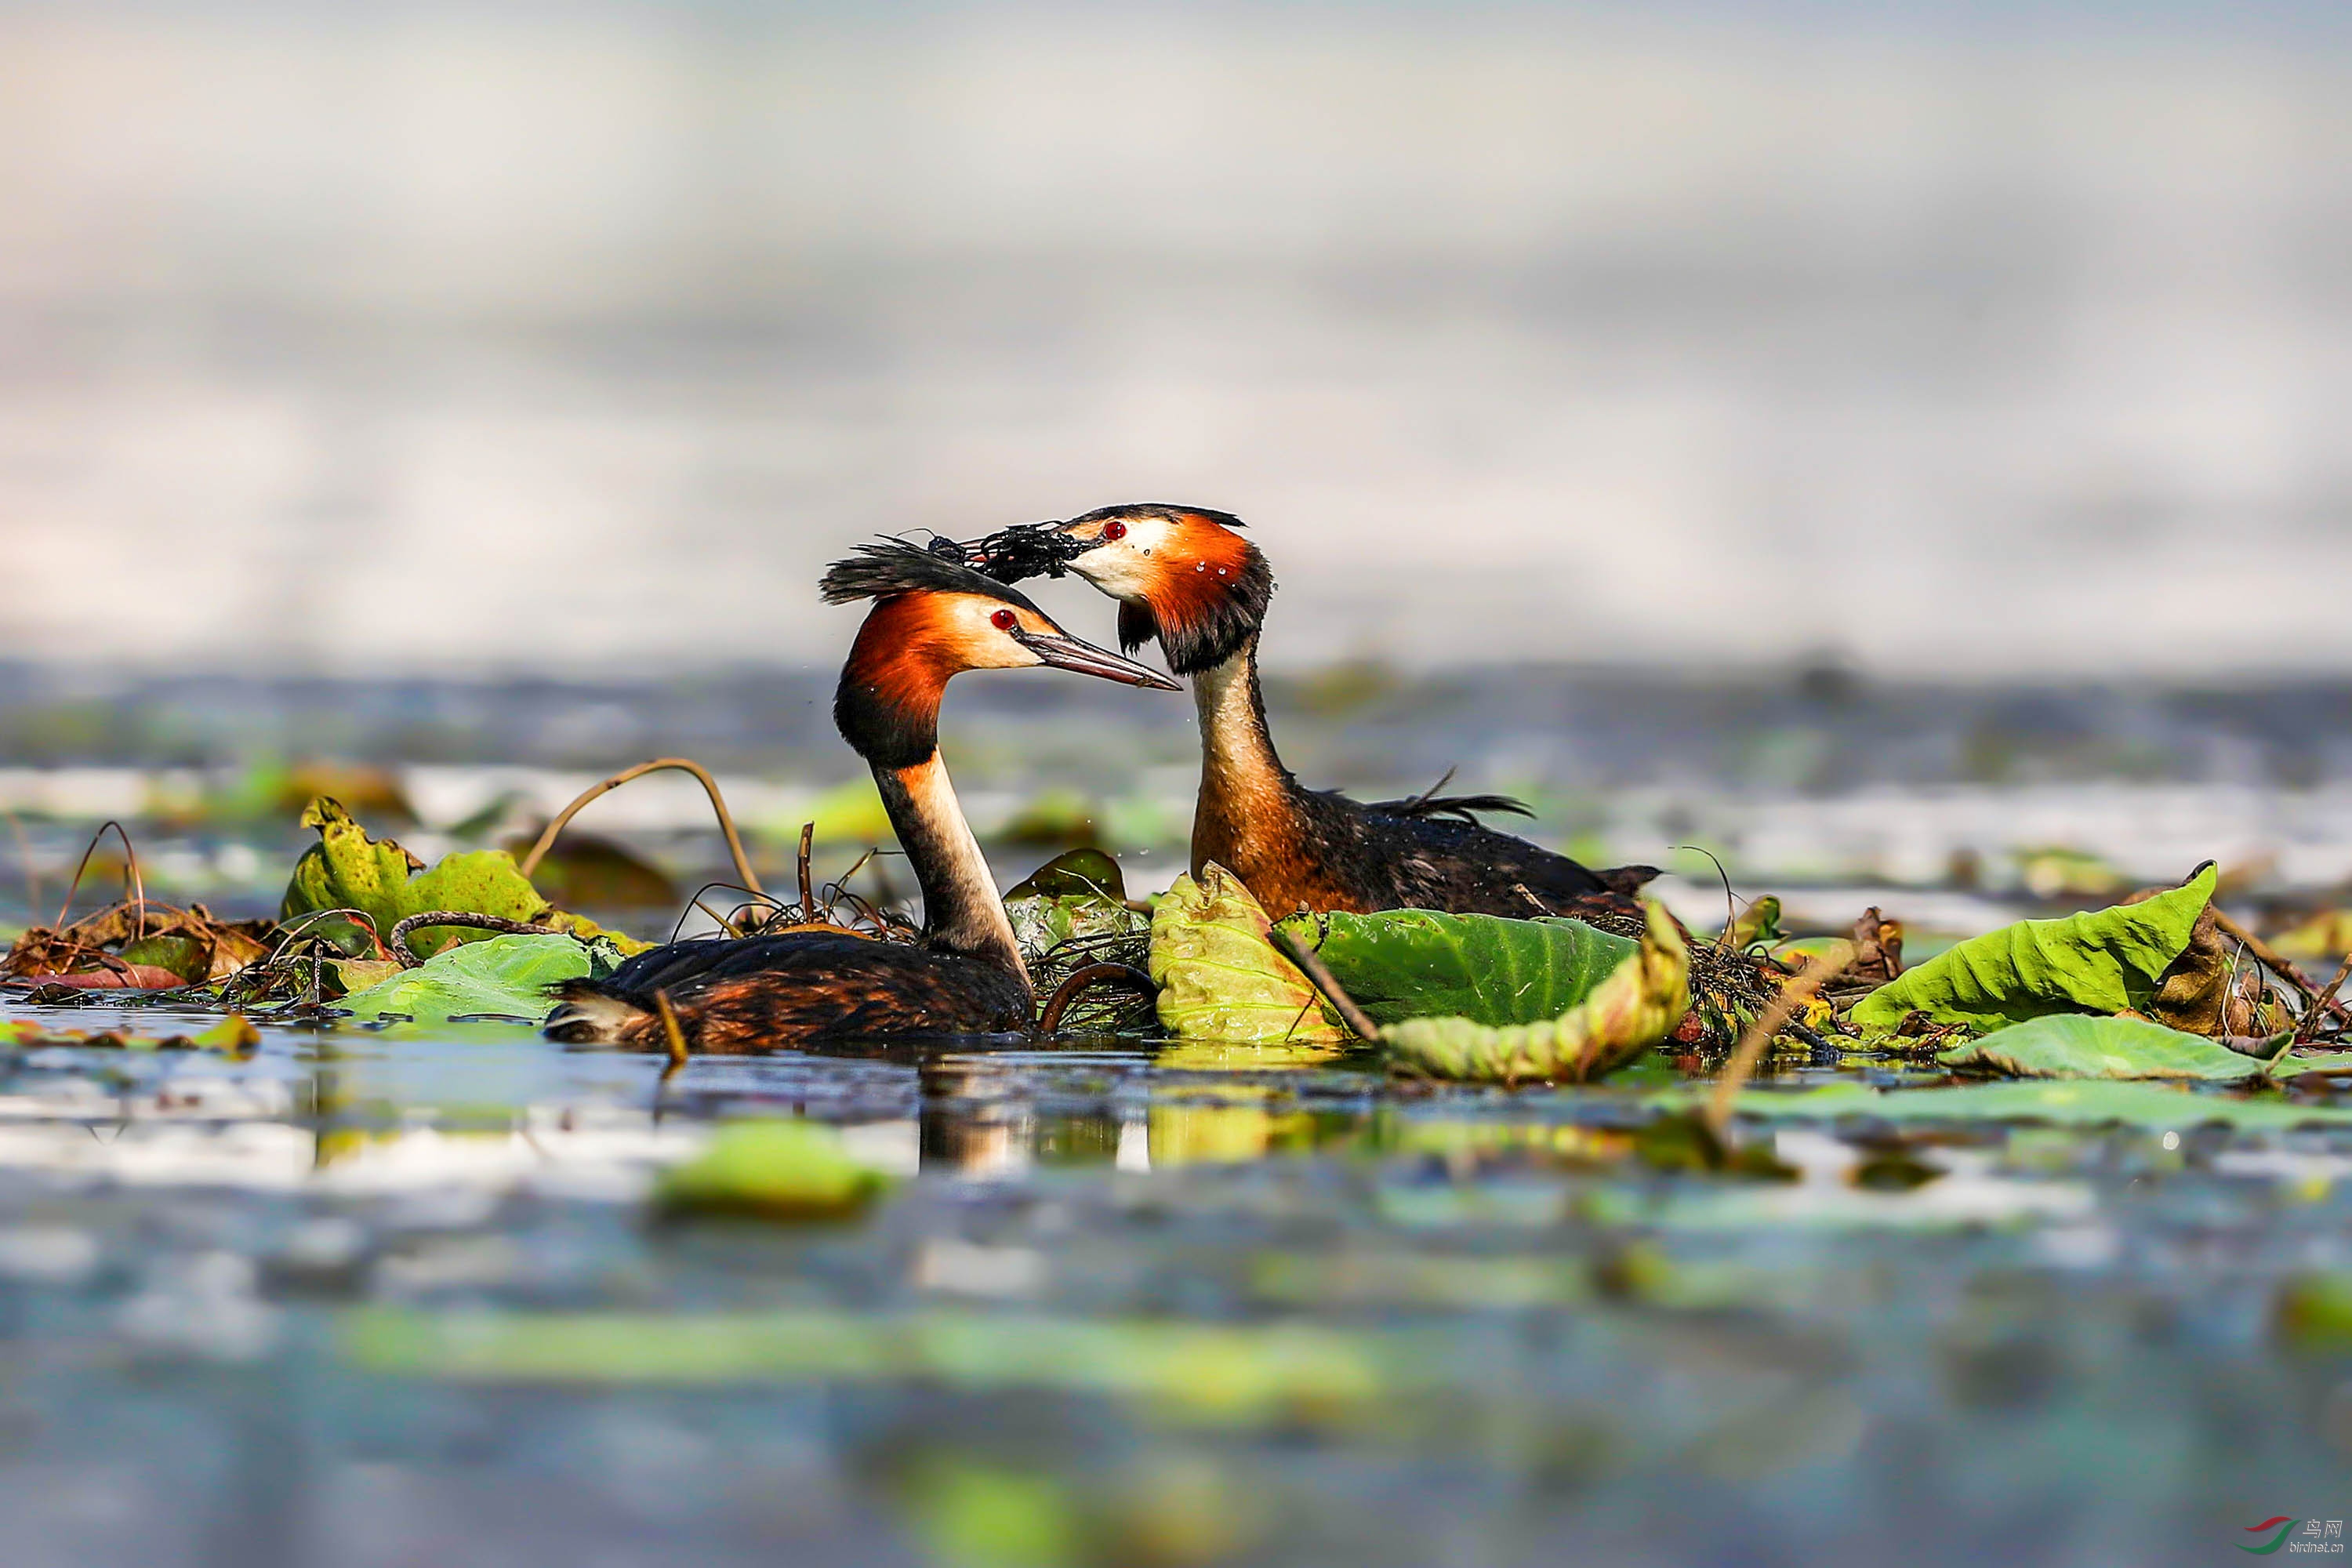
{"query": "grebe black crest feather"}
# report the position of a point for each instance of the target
(1165, 509)
(894, 566)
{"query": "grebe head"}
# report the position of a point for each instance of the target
(1182, 574)
(933, 618)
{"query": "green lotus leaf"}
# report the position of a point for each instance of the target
(2104, 961)
(2076, 1044)
(506, 975)
(2334, 1062)
(1635, 1008)
(2159, 1107)
(1419, 964)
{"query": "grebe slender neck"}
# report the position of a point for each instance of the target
(1245, 790)
(962, 910)
(932, 620)
(887, 709)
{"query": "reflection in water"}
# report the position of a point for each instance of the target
(1219, 1134)
(1225, 1056)
(1252, 1113)
(995, 1115)
(964, 1126)
(487, 1105)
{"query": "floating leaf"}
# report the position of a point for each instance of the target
(1077, 873)
(1219, 977)
(352, 974)
(506, 975)
(186, 958)
(988, 1516)
(598, 937)
(135, 946)
(117, 976)
(2335, 1063)
(2058, 870)
(772, 1170)
(1633, 1009)
(849, 814)
(234, 1033)
(2105, 961)
(2195, 993)
(2163, 1107)
(1792, 953)
(2076, 1044)
(1419, 964)
(2314, 1311)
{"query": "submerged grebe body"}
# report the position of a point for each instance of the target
(1185, 577)
(932, 619)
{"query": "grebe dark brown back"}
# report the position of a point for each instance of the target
(1187, 578)
(932, 619)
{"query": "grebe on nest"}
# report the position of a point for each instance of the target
(1184, 576)
(932, 619)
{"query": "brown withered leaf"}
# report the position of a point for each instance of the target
(159, 944)
(2193, 994)
(1877, 949)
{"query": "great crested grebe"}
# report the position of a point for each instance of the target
(1184, 576)
(932, 620)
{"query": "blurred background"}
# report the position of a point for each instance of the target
(1896, 449)
(1743, 404)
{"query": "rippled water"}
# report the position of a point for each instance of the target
(397, 1297)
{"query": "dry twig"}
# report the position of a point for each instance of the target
(1310, 963)
(671, 1032)
(683, 764)
(408, 956)
(1080, 980)
(2309, 1026)
(808, 888)
(138, 884)
(2278, 963)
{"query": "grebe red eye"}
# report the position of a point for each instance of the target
(1004, 620)
(1114, 528)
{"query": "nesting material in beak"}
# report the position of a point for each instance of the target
(1025, 550)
